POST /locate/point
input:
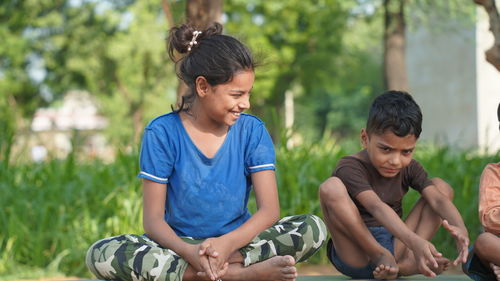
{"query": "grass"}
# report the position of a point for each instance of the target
(52, 211)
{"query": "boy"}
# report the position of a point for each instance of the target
(484, 259)
(362, 202)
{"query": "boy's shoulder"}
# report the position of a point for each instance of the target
(492, 170)
(355, 164)
(360, 164)
(359, 158)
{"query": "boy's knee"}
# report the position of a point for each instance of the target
(484, 242)
(332, 189)
(443, 187)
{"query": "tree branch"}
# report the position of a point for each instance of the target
(493, 53)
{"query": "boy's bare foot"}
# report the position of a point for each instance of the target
(443, 265)
(496, 270)
(383, 272)
(386, 267)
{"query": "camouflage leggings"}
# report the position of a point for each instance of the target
(133, 257)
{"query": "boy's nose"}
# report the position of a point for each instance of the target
(394, 160)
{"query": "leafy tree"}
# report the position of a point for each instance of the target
(112, 49)
(17, 22)
(302, 45)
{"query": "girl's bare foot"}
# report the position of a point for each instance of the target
(496, 270)
(386, 267)
(278, 268)
(275, 268)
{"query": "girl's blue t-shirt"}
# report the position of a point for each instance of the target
(207, 197)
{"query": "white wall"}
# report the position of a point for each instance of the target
(488, 78)
(456, 89)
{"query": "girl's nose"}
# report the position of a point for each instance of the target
(244, 103)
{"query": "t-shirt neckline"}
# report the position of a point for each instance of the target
(203, 157)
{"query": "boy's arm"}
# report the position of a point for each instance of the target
(454, 223)
(423, 250)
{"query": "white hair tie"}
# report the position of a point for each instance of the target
(193, 40)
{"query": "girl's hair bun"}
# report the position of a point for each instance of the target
(186, 37)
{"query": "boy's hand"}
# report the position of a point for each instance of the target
(461, 240)
(425, 255)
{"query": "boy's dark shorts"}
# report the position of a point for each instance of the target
(383, 237)
(475, 269)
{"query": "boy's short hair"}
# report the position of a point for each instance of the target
(396, 111)
(498, 112)
(498, 115)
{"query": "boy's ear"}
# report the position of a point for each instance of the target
(202, 86)
(364, 138)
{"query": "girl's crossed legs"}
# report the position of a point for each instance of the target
(271, 255)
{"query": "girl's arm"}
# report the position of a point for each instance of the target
(266, 195)
(156, 228)
(268, 210)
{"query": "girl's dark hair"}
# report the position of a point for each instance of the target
(215, 56)
(396, 111)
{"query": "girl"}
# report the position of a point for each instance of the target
(198, 165)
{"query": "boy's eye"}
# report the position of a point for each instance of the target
(407, 152)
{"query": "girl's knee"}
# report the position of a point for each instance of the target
(318, 226)
(443, 187)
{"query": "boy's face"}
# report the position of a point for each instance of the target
(387, 152)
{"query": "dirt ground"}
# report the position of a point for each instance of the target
(304, 269)
(314, 270)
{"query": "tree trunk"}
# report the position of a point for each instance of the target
(395, 77)
(493, 53)
(200, 13)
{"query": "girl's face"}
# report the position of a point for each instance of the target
(223, 103)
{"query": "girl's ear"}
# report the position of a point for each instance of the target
(202, 86)
(364, 138)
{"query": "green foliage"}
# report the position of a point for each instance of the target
(52, 211)
(306, 47)
(113, 49)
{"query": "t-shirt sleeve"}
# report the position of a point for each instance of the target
(353, 175)
(489, 198)
(417, 178)
(156, 157)
(260, 154)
